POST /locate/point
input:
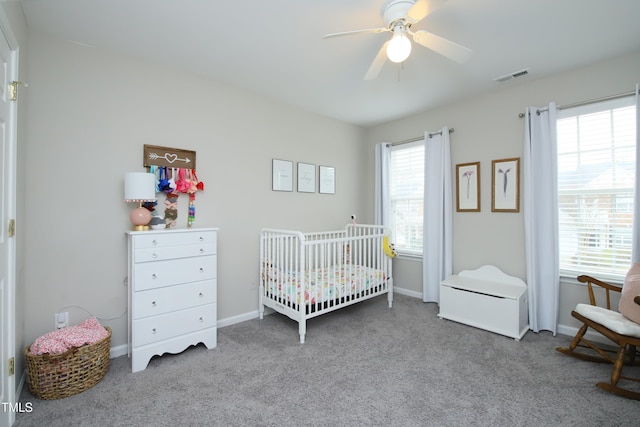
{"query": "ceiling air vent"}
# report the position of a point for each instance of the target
(513, 75)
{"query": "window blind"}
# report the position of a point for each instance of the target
(407, 193)
(596, 175)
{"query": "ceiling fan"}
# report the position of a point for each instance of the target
(400, 16)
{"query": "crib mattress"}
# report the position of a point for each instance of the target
(325, 284)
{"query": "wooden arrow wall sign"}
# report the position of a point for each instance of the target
(170, 157)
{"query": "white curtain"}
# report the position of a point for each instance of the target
(540, 201)
(437, 233)
(635, 249)
(382, 199)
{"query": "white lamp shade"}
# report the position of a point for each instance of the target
(139, 187)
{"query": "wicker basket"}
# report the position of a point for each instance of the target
(54, 376)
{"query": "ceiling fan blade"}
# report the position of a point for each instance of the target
(421, 9)
(443, 46)
(348, 33)
(377, 63)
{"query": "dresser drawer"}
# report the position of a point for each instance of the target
(171, 252)
(158, 328)
(169, 238)
(173, 298)
(150, 275)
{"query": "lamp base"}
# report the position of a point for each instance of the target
(140, 218)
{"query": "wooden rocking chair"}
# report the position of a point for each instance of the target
(623, 332)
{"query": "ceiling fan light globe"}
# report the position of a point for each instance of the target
(399, 48)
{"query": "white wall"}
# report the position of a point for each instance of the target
(91, 112)
(488, 128)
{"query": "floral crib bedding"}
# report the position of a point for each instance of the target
(323, 284)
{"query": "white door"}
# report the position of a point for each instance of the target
(8, 110)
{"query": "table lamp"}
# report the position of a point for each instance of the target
(140, 187)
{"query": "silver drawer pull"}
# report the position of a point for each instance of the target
(201, 270)
(154, 256)
(200, 295)
(154, 242)
(201, 239)
(153, 303)
(202, 319)
(201, 251)
(153, 331)
(153, 276)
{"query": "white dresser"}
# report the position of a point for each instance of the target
(172, 292)
(488, 299)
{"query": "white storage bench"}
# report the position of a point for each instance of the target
(488, 299)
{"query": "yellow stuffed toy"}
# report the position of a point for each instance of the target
(389, 249)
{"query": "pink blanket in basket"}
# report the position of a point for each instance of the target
(88, 332)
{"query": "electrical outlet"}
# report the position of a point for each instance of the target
(62, 320)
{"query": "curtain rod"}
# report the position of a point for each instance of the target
(418, 138)
(581, 103)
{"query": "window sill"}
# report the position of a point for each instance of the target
(409, 257)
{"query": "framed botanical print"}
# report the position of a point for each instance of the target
(505, 185)
(468, 187)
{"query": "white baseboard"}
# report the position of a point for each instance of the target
(407, 292)
(238, 319)
(120, 350)
(21, 383)
(568, 330)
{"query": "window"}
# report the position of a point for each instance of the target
(406, 193)
(596, 176)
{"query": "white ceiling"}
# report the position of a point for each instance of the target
(276, 48)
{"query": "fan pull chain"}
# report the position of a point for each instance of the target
(400, 68)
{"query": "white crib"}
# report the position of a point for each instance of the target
(304, 275)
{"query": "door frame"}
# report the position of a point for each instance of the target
(8, 321)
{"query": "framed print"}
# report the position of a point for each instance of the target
(327, 180)
(468, 185)
(282, 171)
(505, 185)
(306, 178)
